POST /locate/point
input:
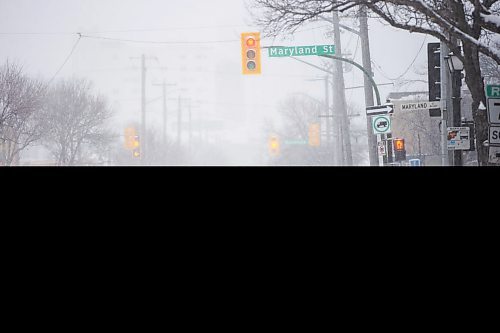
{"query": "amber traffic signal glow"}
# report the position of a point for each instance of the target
(400, 150)
(274, 146)
(130, 134)
(251, 42)
(399, 144)
(251, 53)
(137, 147)
(315, 135)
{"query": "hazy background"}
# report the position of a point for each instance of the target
(203, 60)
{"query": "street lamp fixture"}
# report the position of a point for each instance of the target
(454, 63)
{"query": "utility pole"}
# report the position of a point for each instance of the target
(445, 99)
(190, 125)
(340, 100)
(456, 103)
(143, 133)
(327, 114)
(164, 86)
(179, 122)
(369, 99)
(143, 111)
(457, 112)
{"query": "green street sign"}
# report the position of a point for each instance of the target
(493, 91)
(301, 51)
(295, 142)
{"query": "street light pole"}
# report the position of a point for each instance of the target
(457, 112)
(456, 67)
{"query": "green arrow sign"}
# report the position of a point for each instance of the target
(493, 91)
(300, 51)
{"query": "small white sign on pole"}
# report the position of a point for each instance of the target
(403, 106)
(382, 148)
(494, 111)
(494, 135)
(382, 125)
(494, 155)
(459, 138)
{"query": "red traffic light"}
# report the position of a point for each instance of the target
(251, 42)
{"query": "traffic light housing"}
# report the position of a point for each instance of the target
(400, 150)
(130, 134)
(251, 53)
(315, 135)
(274, 146)
(434, 70)
(136, 150)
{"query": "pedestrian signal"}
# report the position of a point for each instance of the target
(400, 150)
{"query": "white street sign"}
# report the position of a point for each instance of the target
(494, 135)
(494, 111)
(382, 148)
(382, 125)
(459, 138)
(381, 109)
(495, 155)
(402, 106)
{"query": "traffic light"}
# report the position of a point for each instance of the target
(400, 150)
(315, 135)
(434, 69)
(136, 147)
(274, 146)
(251, 53)
(130, 134)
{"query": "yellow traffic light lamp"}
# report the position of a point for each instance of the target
(136, 147)
(251, 53)
(274, 146)
(130, 135)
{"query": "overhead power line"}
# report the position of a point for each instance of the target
(409, 67)
(67, 59)
(161, 42)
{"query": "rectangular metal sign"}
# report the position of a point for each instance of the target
(301, 51)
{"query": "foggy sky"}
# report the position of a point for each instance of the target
(209, 74)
